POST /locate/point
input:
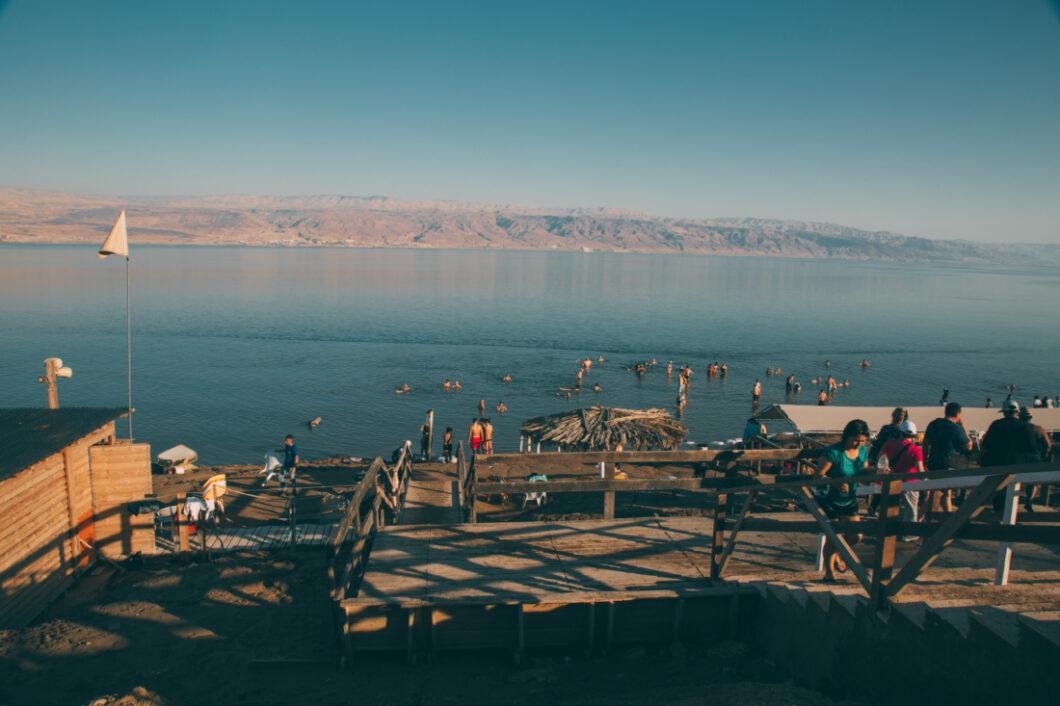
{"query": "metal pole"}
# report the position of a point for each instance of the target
(128, 340)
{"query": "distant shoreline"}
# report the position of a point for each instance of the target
(53, 218)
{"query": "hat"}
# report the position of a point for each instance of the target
(1010, 406)
(908, 428)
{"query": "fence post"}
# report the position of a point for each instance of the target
(1004, 552)
(182, 526)
(886, 536)
(718, 544)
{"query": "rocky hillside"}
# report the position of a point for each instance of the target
(346, 221)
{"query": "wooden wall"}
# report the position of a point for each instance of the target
(121, 474)
(79, 492)
(44, 507)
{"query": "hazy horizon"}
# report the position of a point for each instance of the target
(932, 120)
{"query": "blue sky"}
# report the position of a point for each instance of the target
(937, 119)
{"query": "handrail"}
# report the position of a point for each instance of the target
(880, 585)
(390, 493)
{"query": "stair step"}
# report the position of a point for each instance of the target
(999, 622)
(955, 616)
(823, 599)
(915, 612)
(779, 591)
(848, 602)
(1043, 623)
(800, 595)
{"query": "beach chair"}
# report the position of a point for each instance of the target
(212, 491)
(273, 469)
(535, 497)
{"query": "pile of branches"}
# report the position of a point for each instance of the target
(602, 427)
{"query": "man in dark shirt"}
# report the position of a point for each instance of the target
(1009, 441)
(290, 460)
(1041, 437)
(1045, 452)
(943, 437)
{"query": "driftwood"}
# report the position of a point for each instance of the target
(603, 427)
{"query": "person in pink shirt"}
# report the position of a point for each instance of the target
(905, 456)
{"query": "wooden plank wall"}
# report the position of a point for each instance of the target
(121, 474)
(38, 547)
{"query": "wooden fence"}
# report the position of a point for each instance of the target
(879, 584)
(712, 468)
(378, 501)
(727, 484)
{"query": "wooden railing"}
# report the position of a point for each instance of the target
(723, 464)
(377, 501)
(879, 584)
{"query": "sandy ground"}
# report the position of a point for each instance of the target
(256, 628)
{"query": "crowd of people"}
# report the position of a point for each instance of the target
(898, 448)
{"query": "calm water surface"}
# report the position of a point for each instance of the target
(235, 347)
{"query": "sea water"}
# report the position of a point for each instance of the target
(233, 348)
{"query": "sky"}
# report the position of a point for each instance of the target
(933, 119)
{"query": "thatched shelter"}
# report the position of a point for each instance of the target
(602, 427)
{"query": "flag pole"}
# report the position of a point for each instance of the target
(128, 341)
(117, 243)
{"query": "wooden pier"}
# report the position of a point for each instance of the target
(442, 584)
(517, 585)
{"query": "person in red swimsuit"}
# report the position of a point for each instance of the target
(474, 434)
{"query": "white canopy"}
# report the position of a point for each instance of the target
(825, 419)
(176, 455)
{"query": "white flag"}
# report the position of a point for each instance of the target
(117, 242)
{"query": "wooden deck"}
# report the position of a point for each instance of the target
(260, 537)
(516, 585)
(525, 561)
(431, 502)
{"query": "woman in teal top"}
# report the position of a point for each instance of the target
(847, 458)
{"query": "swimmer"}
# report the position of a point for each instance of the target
(447, 385)
(456, 384)
(600, 359)
(816, 380)
(669, 368)
(596, 387)
(822, 398)
(828, 364)
(314, 422)
(864, 363)
(501, 409)
(507, 377)
(481, 406)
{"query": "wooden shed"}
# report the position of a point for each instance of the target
(64, 483)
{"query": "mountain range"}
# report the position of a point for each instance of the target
(31, 216)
